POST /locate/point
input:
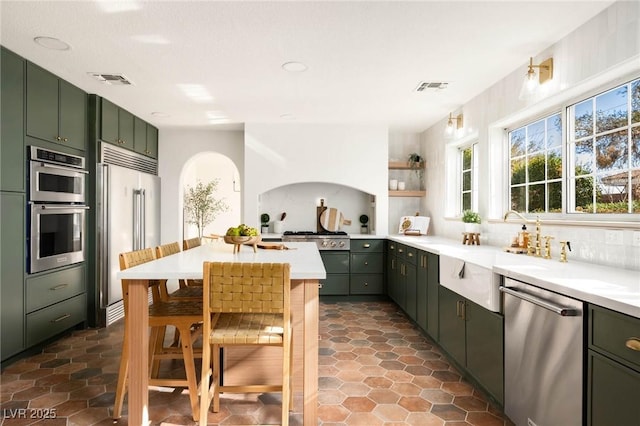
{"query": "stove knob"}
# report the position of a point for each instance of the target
(341, 244)
(324, 243)
(333, 243)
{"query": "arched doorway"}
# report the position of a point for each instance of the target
(206, 167)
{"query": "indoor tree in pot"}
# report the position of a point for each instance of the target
(471, 221)
(200, 206)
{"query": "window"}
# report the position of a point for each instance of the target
(604, 152)
(468, 193)
(535, 184)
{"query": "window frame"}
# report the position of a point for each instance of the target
(473, 191)
(561, 106)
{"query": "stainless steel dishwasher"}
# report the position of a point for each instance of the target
(543, 356)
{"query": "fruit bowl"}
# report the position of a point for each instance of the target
(237, 241)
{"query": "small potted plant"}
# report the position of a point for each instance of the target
(415, 162)
(264, 220)
(471, 221)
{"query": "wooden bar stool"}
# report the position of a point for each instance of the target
(161, 314)
(245, 304)
(185, 292)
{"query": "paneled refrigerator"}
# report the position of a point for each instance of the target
(128, 218)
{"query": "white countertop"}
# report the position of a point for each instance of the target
(613, 288)
(304, 259)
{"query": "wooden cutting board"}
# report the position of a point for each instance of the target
(332, 219)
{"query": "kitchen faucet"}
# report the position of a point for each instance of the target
(530, 248)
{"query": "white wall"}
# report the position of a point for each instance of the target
(602, 50)
(281, 154)
(176, 147)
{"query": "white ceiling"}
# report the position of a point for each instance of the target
(364, 58)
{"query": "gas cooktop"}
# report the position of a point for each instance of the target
(325, 240)
(315, 233)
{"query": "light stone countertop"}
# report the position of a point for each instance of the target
(304, 259)
(606, 286)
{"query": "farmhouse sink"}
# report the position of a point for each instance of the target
(471, 280)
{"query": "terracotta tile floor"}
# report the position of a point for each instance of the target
(376, 368)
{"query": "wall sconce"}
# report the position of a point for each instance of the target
(455, 126)
(533, 80)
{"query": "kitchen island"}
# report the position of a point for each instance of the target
(306, 270)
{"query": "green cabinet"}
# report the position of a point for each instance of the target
(473, 337)
(12, 259)
(613, 363)
(116, 125)
(56, 111)
(433, 284)
(336, 264)
(12, 155)
(392, 274)
(54, 319)
(47, 289)
(367, 267)
(145, 138)
(402, 277)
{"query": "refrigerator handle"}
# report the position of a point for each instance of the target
(136, 220)
(143, 218)
(103, 232)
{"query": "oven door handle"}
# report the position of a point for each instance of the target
(558, 309)
(63, 207)
(67, 169)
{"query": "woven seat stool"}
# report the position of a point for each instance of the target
(244, 304)
(183, 316)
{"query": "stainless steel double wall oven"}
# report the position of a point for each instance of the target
(57, 206)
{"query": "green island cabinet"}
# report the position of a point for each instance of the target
(367, 267)
(336, 264)
(12, 263)
(427, 292)
(56, 110)
(473, 337)
(12, 157)
(613, 363)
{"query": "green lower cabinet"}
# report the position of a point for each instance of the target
(366, 284)
(410, 277)
(336, 263)
(613, 392)
(12, 267)
(421, 290)
(433, 284)
(55, 319)
(335, 285)
(474, 337)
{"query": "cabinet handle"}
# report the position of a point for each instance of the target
(146, 151)
(366, 284)
(633, 343)
(366, 245)
(320, 285)
(366, 263)
(58, 138)
(59, 287)
(65, 139)
(62, 318)
(410, 254)
(463, 309)
(400, 251)
(392, 247)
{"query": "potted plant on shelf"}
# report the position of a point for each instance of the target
(415, 162)
(200, 206)
(471, 221)
(264, 219)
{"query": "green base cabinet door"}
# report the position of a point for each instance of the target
(613, 393)
(12, 260)
(433, 283)
(452, 326)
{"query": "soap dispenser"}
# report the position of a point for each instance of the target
(523, 237)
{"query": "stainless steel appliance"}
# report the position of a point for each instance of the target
(543, 359)
(128, 218)
(337, 240)
(57, 220)
(56, 177)
(56, 235)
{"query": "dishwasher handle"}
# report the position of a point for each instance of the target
(558, 309)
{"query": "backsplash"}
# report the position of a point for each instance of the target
(299, 201)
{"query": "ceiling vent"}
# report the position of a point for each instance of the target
(435, 85)
(112, 79)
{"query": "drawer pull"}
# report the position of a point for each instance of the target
(366, 245)
(633, 343)
(410, 254)
(366, 284)
(62, 318)
(366, 263)
(319, 285)
(59, 287)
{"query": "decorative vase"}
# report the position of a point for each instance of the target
(473, 228)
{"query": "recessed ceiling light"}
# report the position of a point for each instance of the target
(294, 66)
(51, 43)
(160, 114)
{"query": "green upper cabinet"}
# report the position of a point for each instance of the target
(12, 157)
(145, 138)
(56, 110)
(120, 127)
(116, 125)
